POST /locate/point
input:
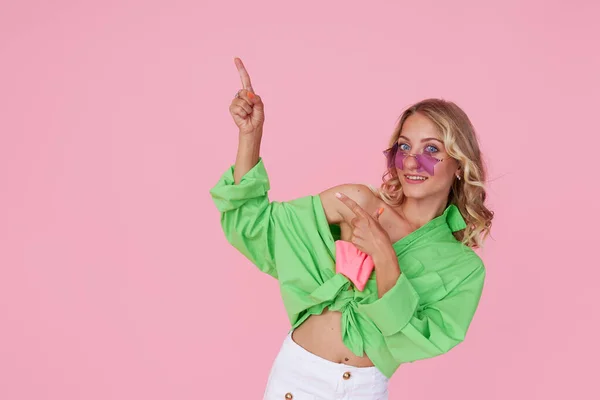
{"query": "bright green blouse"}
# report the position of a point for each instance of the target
(425, 314)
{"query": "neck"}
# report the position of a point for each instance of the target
(418, 212)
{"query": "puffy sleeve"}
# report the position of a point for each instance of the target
(252, 223)
(414, 329)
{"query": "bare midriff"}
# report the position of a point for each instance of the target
(322, 336)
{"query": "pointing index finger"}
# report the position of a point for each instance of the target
(246, 84)
(352, 205)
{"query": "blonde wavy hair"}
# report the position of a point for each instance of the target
(460, 140)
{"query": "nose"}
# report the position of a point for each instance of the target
(410, 162)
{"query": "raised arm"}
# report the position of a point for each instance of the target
(247, 110)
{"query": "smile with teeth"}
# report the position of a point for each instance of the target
(416, 177)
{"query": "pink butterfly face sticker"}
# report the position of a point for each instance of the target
(425, 161)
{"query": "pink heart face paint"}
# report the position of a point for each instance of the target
(425, 161)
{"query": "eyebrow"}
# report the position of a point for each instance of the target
(423, 140)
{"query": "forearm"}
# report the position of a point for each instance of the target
(387, 271)
(247, 155)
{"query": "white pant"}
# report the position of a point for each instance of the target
(301, 375)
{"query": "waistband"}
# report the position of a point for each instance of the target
(293, 351)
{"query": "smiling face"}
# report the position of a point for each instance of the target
(437, 129)
(419, 135)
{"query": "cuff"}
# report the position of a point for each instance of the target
(228, 196)
(393, 311)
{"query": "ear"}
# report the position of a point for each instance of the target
(458, 172)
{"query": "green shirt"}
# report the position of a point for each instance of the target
(425, 314)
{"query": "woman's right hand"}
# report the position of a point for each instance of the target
(247, 110)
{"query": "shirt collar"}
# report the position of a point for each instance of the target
(453, 218)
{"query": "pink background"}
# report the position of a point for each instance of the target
(116, 281)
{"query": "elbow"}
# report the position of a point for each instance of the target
(243, 225)
(451, 342)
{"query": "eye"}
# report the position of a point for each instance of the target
(431, 149)
(404, 147)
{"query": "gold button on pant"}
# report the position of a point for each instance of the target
(346, 375)
(289, 396)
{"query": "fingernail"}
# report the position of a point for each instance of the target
(338, 194)
(380, 211)
(251, 95)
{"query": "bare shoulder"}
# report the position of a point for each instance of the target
(335, 210)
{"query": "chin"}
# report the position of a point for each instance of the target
(415, 189)
(415, 193)
(424, 192)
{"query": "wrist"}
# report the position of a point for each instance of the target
(385, 257)
(249, 147)
(252, 137)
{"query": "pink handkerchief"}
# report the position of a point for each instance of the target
(353, 263)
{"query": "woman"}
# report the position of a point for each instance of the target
(370, 279)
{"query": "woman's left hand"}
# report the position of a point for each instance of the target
(367, 233)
